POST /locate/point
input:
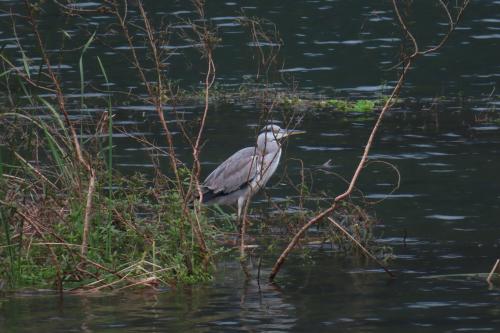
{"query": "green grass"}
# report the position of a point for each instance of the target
(139, 234)
(109, 149)
(143, 238)
(364, 105)
(343, 105)
(293, 102)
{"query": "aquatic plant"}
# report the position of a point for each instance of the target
(344, 105)
(69, 218)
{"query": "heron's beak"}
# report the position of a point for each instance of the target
(294, 132)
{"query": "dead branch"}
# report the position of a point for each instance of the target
(206, 37)
(493, 270)
(196, 226)
(387, 106)
(57, 85)
(154, 95)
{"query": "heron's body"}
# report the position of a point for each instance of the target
(247, 171)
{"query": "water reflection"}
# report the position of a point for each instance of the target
(232, 304)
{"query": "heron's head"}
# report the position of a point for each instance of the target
(274, 134)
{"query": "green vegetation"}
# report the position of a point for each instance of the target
(139, 232)
(287, 100)
(69, 219)
(343, 105)
(291, 101)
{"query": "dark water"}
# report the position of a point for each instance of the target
(448, 203)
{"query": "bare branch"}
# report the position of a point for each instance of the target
(362, 163)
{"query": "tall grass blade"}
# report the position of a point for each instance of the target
(25, 90)
(55, 149)
(66, 34)
(82, 78)
(6, 72)
(33, 171)
(110, 160)
(57, 117)
(25, 63)
(80, 65)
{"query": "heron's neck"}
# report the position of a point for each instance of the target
(268, 147)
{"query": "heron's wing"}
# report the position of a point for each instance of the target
(235, 172)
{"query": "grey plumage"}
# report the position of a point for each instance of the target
(245, 172)
(234, 172)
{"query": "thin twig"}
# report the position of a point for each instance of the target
(368, 253)
(362, 163)
(493, 270)
(55, 81)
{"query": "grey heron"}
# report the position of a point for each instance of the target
(247, 171)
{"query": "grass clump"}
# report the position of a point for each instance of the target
(69, 219)
(343, 105)
(364, 105)
(140, 228)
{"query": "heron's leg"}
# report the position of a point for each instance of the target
(241, 202)
(242, 216)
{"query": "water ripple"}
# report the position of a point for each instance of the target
(446, 217)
